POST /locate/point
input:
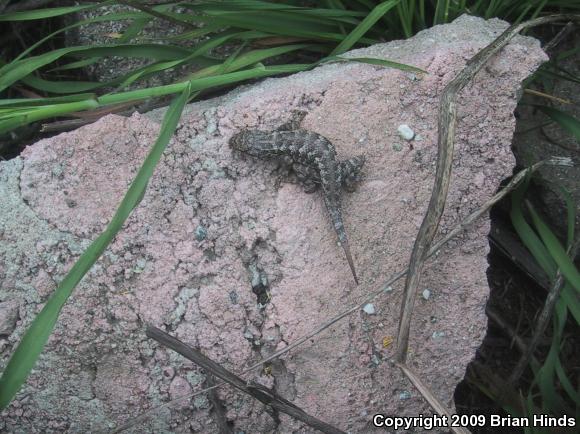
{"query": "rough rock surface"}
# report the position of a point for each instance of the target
(212, 222)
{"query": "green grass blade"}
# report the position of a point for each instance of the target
(228, 64)
(375, 61)
(44, 112)
(282, 23)
(369, 21)
(197, 84)
(566, 383)
(545, 377)
(240, 6)
(76, 65)
(571, 217)
(528, 236)
(570, 300)
(246, 59)
(134, 29)
(39, 14)
(110, 17)
(192, 34)
(62, 86)
(565, 54)
(237, 6)
(405, 12)
(566, 121)
(535, 245)
(162, 14)
(556, 250)
(202, 83)
(32, 343)
(15, 71)
(35, 102)
(441, 12)
(201, 49)
(548, 73)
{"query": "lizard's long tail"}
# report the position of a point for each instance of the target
(336, 218)
(346, 249)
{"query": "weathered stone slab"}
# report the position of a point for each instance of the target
(212, 222)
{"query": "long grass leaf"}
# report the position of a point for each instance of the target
(556, 250)
(282, 23)
(375, 61)
(566, 383)
(134, 29)
(545, 377)
(369, 21)
(197, 84)
(191, 34)
(441, 12)
(201, 49)
(61, 86)
(571, 217)
(566, 121)
(40, 14)
(246, 59)
(528, 236)
(245, 7)
(240, 6)
(173, 19)
(76, 65)
(109, 17)
(32, 343)
(201, 83)
(570, 300)
(44, 112)
(35, 102)
(15, 71)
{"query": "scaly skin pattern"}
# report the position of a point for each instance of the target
(317, 153)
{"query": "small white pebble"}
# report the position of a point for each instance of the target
(369, 309)
(406, 132)
(404, 395)
(426, 294)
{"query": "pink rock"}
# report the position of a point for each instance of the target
(178, 388)
(277, 237)
(8, 317)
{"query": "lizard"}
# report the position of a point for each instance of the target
(314, 159)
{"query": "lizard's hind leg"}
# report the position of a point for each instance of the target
(307, 176)
(351, 172)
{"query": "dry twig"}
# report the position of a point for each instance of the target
(447, 121)
(424, 390)
(261, 393)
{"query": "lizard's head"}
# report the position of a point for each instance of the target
(352, 170)
(241, 141)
